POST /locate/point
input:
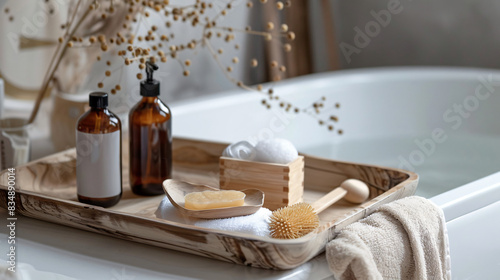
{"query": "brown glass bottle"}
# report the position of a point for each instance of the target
(98, 147)
(150, 128)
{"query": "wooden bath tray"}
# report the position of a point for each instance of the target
(46, 190)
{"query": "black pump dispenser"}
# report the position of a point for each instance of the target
(150, 87)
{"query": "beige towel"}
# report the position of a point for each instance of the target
(405, 239)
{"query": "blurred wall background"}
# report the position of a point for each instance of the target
(371, 33)
(334, 35)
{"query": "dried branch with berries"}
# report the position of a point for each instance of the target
(124, 28)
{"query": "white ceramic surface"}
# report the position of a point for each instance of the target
(385, 114)
(471, 213)
(470, 197)
(474, 244)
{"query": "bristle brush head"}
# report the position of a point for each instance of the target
(293, 221)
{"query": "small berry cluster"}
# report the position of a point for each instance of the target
(129, 34)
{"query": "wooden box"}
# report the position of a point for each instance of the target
(283, 184)
(46, 190)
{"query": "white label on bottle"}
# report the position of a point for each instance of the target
(98, 166)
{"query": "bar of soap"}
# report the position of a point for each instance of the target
(213, 199)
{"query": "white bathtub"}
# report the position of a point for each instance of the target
(405, 117)
(399, 117)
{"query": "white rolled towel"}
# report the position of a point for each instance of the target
(276, 150)
(256, 223)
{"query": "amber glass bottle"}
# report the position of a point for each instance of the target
(98, 149)
(150, 128)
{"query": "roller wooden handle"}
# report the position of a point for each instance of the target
(328, 199)
(352, 190)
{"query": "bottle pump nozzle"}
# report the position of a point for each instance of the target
(150, 68)
(150, 87)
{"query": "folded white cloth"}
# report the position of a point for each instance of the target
(256, 223)
(404, 239)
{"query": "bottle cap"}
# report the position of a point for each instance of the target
(98, 99)
(150, 87)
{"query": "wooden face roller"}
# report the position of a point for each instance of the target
(301, 218)
(352, 190)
